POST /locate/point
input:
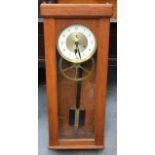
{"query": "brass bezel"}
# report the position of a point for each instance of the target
(77, 61)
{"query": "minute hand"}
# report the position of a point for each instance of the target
(79, 51)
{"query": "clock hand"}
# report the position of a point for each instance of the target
(77, 48)
(79, 52)
(75, 51)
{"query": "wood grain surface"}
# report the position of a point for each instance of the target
(76, 10)
(51, 79)
(102, 69)
(114, 2)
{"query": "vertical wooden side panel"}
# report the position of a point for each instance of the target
(51, 79)
(102, 64)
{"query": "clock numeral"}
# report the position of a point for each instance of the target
(76, 28)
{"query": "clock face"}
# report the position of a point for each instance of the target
(76, 43)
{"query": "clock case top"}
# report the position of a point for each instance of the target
(76, 10)
(56, 18)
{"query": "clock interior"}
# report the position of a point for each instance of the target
(76, 87)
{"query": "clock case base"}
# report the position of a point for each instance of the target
(56, 17)
(77, 147)
(81, 144)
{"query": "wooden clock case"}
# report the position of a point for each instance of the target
(114, 2)
(56, 18)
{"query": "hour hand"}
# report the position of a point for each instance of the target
(76, 48)
(75, 51)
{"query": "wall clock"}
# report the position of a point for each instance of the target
(76, 54)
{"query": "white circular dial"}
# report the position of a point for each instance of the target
(76, 43)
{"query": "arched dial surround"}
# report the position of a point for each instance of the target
(76, 43)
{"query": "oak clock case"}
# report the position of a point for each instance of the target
(76, 52)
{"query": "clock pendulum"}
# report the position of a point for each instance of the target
(77, 114)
